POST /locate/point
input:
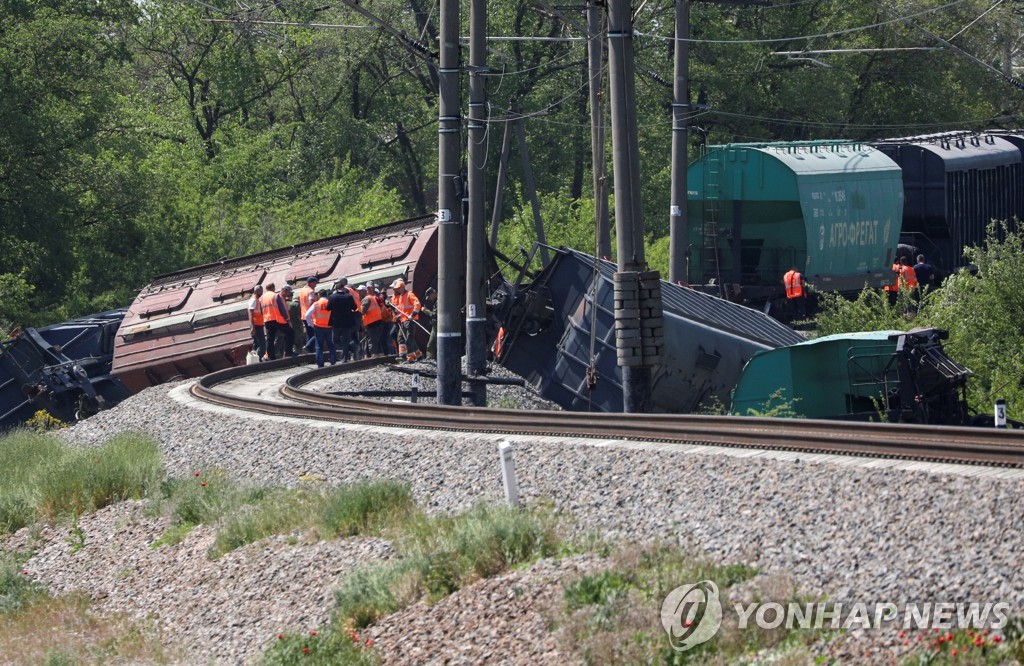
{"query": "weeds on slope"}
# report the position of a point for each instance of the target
(41, 478)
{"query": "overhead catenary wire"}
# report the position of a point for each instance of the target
(776, 40)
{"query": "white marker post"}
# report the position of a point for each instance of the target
(508, 474)
(1000, 413)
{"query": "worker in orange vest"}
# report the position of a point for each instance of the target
(407, 309)
(307, 296)
(796, 292)
(256, 331)
(318, 317)
(275, 320)
(387, 315)
(907, 276)
(373, 321)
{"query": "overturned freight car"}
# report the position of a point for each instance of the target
(559, 333)
(895, 376)
(63, 369)
(195, 321)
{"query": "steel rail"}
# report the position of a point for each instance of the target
(988, 446)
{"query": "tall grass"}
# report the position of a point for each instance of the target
(42, 478)
(244, 514)
(442, 555)
(17, 589)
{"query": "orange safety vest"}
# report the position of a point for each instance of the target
(257, 312)
(908, 277)
(373, 313)
(307, 296)
(794, 284)
(407, 305)
(895, 286)
(271, 311)
(321, 315)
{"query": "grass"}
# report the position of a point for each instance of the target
(613, 616)
(966, 646)
(43, 479)
(439, 556)
(331, 647)
(55, 631)
(245, 514)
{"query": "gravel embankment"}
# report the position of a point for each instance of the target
(850, 533)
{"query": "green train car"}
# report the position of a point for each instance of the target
(897, 376)
(831, 209)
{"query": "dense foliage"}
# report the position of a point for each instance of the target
(138, 137)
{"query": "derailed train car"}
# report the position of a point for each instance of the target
(896, 376)
(63, 369)
(559, 333)
(195, 321)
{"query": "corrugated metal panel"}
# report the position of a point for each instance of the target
(707, 342)
(716, 312)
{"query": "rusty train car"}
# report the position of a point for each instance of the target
(192, 322)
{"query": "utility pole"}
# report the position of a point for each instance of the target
(678, 216)
(451, 259)
(595, 55)
(476, 231)
(638, 316)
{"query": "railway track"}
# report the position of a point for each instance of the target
(877, 440)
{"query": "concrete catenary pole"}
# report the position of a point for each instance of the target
(450, 254)
(638, 330)
(595, 56)
(499, 188)
(678, 217)
(476, 230)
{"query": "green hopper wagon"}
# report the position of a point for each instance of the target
(832, 210)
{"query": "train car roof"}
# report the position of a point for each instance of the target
(959, 151)
(819, 157)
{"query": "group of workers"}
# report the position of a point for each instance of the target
(916, 278)
(344, 324)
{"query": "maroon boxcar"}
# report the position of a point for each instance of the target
(194, 321)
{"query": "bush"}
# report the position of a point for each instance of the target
(365, 507)
(84, 480)
(262, 514)
(244, 515)
(327, 648)
(370, 593)
(16, 588)
(41, 477)
(441, 555)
